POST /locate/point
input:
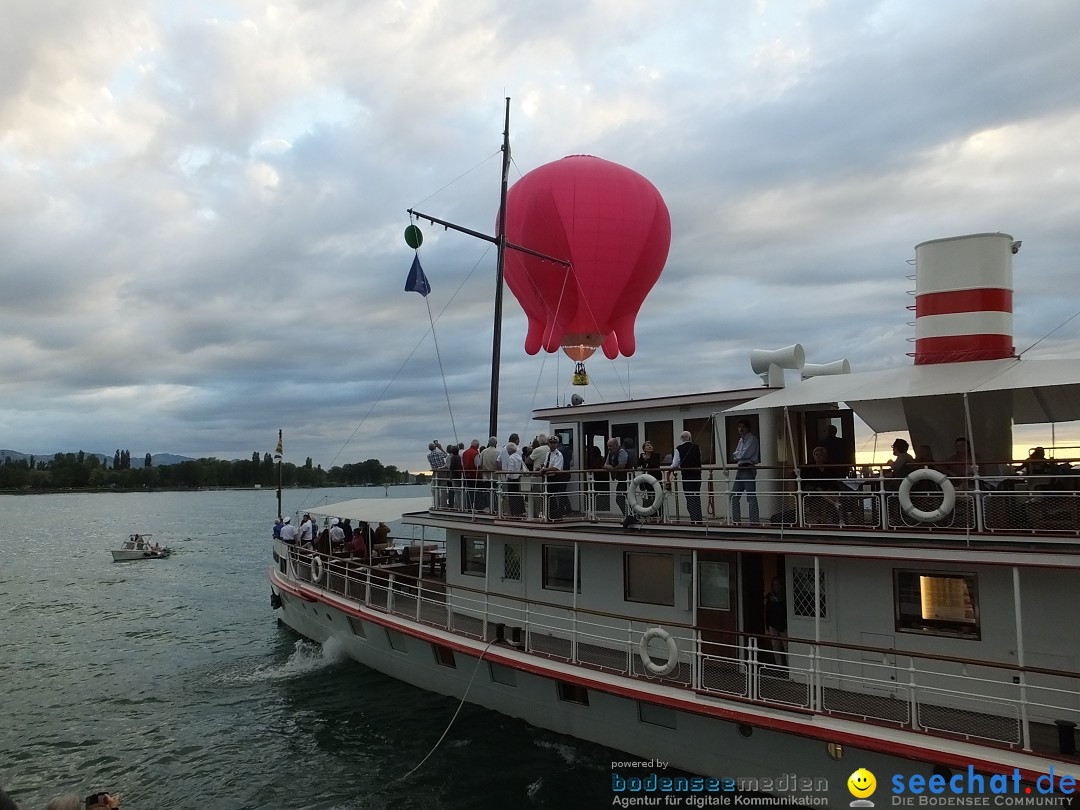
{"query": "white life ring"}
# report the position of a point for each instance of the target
(635, 493)
(948, 495)
(316, 568)
(646, 660)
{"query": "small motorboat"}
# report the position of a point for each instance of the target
(139, 547)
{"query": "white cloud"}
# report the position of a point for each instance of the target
(202, 213)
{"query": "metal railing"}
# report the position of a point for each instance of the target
(986, 701)
(1009, 504)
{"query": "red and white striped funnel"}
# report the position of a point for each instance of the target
(963, 299)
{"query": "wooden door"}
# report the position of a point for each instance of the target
(717, 597)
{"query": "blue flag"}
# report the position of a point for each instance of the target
(417, 281)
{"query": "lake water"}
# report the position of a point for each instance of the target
(169, 680)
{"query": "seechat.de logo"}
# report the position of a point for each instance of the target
(862, 785)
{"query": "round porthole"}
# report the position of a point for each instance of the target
(746, 730)
(835, 750)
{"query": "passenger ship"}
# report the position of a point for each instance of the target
(928, 617)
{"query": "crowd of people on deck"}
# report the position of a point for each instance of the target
(471, 478)
(338, 536)
(68, 801)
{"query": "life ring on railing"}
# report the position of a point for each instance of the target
(634, 495)
(646, 660)
(316, 568)
(948, 495)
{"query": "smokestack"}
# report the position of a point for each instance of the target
(963, 299)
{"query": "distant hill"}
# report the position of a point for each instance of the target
(159, 459)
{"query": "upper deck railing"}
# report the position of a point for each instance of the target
(1045, 505)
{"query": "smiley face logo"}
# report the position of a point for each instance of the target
(862, 784)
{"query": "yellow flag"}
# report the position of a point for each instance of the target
(279, 451)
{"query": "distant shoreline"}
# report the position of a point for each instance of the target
(120, 490)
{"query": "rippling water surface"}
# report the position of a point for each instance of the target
(169, 681)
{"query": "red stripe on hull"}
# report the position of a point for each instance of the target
(985, 299)
(962, 349)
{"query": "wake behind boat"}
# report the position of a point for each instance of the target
(139, 547)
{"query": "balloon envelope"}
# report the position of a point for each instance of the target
(612, 225)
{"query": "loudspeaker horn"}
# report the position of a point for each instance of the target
(826, 369)
(770, 365)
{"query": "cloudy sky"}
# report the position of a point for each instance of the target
(203, 203)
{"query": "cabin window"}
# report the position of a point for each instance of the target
(573, 693)
(444, 656)
(714, 585)
(937, 603)
(650, 578)
(474, 556)
(512, 561)
(502, 674)
(656, 715)
(559, 568)
(802, 592)
(357, 627)
(396, 639)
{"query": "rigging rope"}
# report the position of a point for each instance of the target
(452, 719)
(1048, 334)
(442, 371)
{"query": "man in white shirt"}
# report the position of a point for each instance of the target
(512, 465)
(288, 531)
(558, 504)
(307, 531)
(337, 534)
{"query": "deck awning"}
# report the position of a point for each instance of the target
(1042, 391)
(372, 510)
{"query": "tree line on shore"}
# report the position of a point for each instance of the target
(88, 471)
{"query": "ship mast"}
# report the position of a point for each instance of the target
(501, 245)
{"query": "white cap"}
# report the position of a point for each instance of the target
(287, 519)
(335, 522)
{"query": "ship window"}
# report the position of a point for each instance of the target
(357, 626)
(650, 578)
(573, 693)
(559, 568)
(474, 556)
(802, 592)
(444, 655)
(502, 674)
(714, 585)
(656, 715)
(396, 639)
(512, 561)
(937, 603)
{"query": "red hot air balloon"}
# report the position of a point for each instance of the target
(614, 228)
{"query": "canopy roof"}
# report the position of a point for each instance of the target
(1042, 391)
(373, 510)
